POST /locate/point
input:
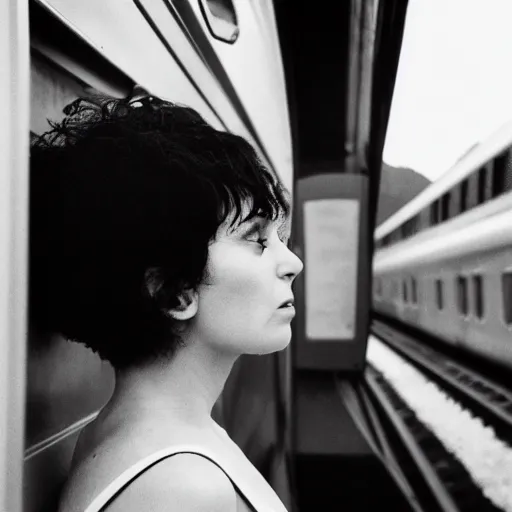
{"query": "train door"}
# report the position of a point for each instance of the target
(14, 118)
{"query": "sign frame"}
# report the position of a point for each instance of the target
(343, 354)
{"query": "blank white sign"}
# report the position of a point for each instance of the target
(331, 228)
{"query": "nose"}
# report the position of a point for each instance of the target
(290, 265)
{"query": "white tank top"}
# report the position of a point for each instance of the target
(244, 489)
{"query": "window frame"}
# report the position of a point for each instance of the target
(478, 274)
(506, 271)
(459, 279)
(439, 293)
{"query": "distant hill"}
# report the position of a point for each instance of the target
(398, 185)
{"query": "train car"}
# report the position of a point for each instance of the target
(443, 262)
(190, 52)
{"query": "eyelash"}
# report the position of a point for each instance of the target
(262, 242)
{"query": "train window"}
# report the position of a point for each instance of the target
(404, 291)
(409, 228)
(221, 19)
(414, 291)
(445, 206)
(478, 295)
(434, 219)
(439, 294)
(482, 180)
(488, 180)
(506, 285)
(412, 225)
(394, 289)
(423, 219)
(502, 175)
(463, 196)
(462, 295)
(498, 177)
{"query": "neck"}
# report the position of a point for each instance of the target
(184, 388)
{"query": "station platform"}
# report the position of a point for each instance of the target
(336, 468)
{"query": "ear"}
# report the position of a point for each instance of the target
(188, 306)
(188, 298)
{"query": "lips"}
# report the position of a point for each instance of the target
(287, 303)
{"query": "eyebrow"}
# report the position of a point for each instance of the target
(284, 229)
(253, 225)
(260, 222)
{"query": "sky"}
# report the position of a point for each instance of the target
(454, 82)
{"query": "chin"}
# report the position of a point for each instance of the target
(271, 345)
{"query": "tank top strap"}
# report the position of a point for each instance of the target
(128, 476)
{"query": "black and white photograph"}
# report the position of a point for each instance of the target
(255, 256)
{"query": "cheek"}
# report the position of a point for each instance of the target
(237, 306)
(238, 284)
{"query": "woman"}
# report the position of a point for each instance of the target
(160, 243)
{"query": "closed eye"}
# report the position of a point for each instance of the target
(258, 239)
(255, 232)
(263, 243)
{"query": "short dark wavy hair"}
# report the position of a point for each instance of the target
(120, 187)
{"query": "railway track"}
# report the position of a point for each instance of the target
(487, 399)
(431, 479)
(438, 479)
(400, 444)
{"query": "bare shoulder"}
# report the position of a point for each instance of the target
(183, 482)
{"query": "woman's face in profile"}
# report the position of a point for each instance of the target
(250, 273)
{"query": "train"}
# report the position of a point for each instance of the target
(443, 262)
